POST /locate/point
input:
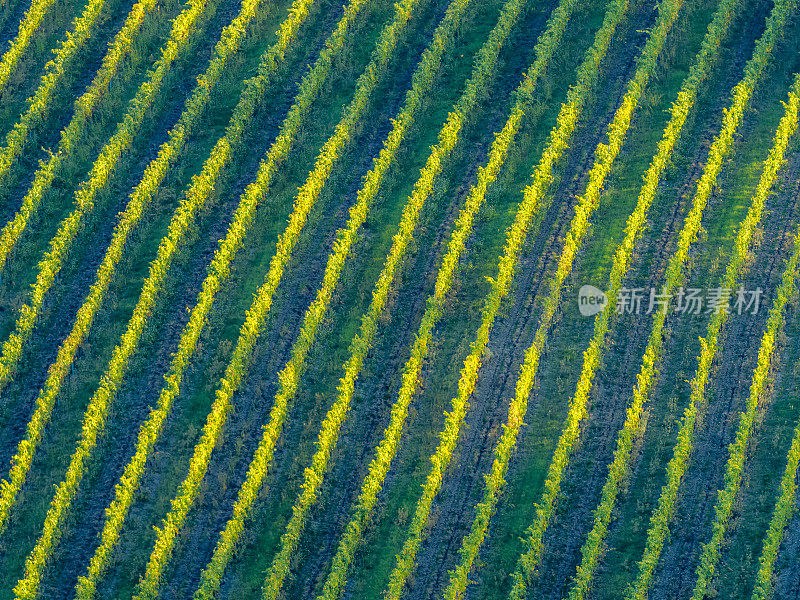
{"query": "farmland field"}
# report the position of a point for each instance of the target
(355, 299)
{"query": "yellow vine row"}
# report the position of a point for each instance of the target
(784, 509)
(737, 449)
(86, 195)
(141, 196)
(289, 377)
(39, 104)
(307, 195)
(532, 203)
(633, 425)
(201, 187)
(27, 28)
(733, 116)
(549, 41)
(606, 155)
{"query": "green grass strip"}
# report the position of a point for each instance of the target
(738, 448)
(40, 104)
(733, 116)
(547, 44)
(533, 196)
